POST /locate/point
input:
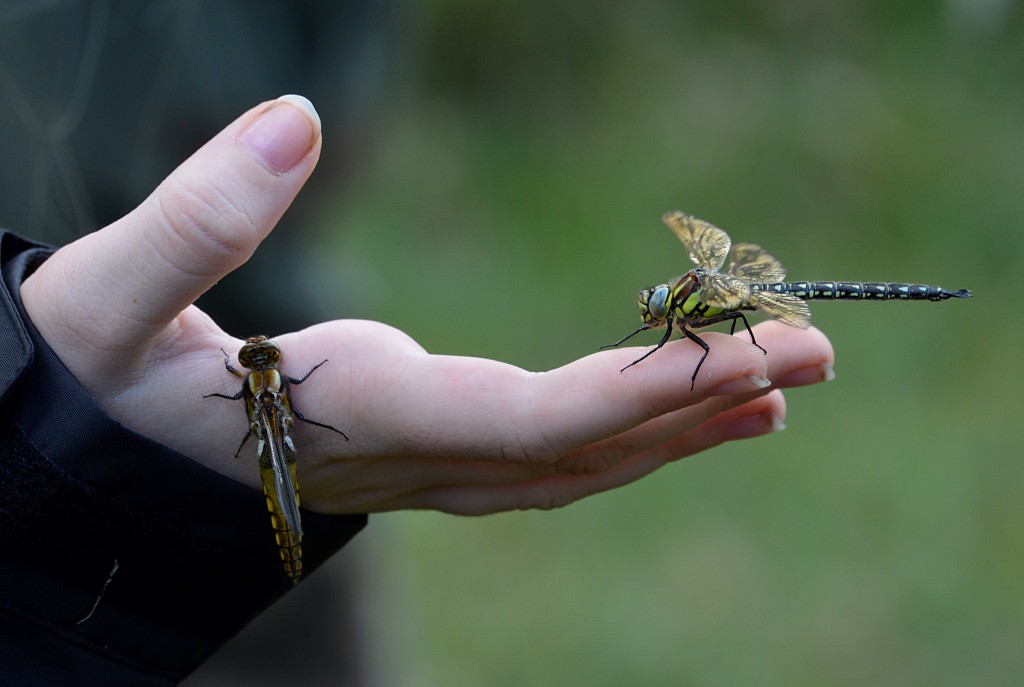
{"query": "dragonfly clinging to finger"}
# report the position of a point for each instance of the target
(270, 412)
(714, 291)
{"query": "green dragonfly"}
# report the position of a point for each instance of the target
(710, 293)
(270, 411)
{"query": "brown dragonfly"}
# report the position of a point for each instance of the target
(270, 413)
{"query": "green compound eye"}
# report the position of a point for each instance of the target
(657, 304)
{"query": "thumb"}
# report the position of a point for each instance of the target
(124, 284)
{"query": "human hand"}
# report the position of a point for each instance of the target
(462, 435)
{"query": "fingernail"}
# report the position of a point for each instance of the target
(808, 375)
(754, 426)
(750, 382)
(283, 133)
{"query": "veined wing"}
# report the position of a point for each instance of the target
(707, 244)
(752, 263)
(783, 307)
(280, 487)
(277, 468)
(724, 291)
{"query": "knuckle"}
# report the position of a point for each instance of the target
(591, 461)
(534, 449)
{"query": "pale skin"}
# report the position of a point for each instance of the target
(461, 435)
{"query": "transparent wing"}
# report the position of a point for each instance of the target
(707, 244)
(277, 467)
(752, 263)
(783, 307)
(724, 291)
(281, 487)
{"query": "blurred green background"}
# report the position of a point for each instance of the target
(510, 208)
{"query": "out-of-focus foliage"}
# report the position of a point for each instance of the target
(510, 208)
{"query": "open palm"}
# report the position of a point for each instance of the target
(458, 434)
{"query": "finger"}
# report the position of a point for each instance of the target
(759, 417)
(678, 434)
(127, 281)
(540, 417)
(700, 424)
(553, 489)
(584, 402)
(478, 409)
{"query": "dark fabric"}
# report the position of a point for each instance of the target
(78, 491)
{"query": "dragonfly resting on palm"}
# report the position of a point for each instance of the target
(714, 291)
(270, 411)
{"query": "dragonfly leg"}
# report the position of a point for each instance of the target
(305, 419)
(664, 340)
(244, 439)
(306, 376)
(703, 344)
(628, 337)
(230, 398)
(740, 316)
(732, 316)
(227, 364)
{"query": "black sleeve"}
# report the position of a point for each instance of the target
(180, 557)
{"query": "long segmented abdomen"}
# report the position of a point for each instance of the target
(281, 487)
(855, 290)
(289, 541)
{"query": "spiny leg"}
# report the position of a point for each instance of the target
(227, 364)
(732, 315)
(302, 417)
(740, 316)
(703, 344)
(230, 398)
(664, 340)
(627, 337)
(244, 439)
(306, 376)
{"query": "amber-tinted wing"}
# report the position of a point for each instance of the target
(752, 263)
(281, 488)
(280, 459)
(707, 244)
(724, 291)
(783, 307)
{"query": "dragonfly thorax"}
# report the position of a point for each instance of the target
(656, 303)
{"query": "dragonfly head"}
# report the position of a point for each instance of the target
(653, 304)
(259, 352)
